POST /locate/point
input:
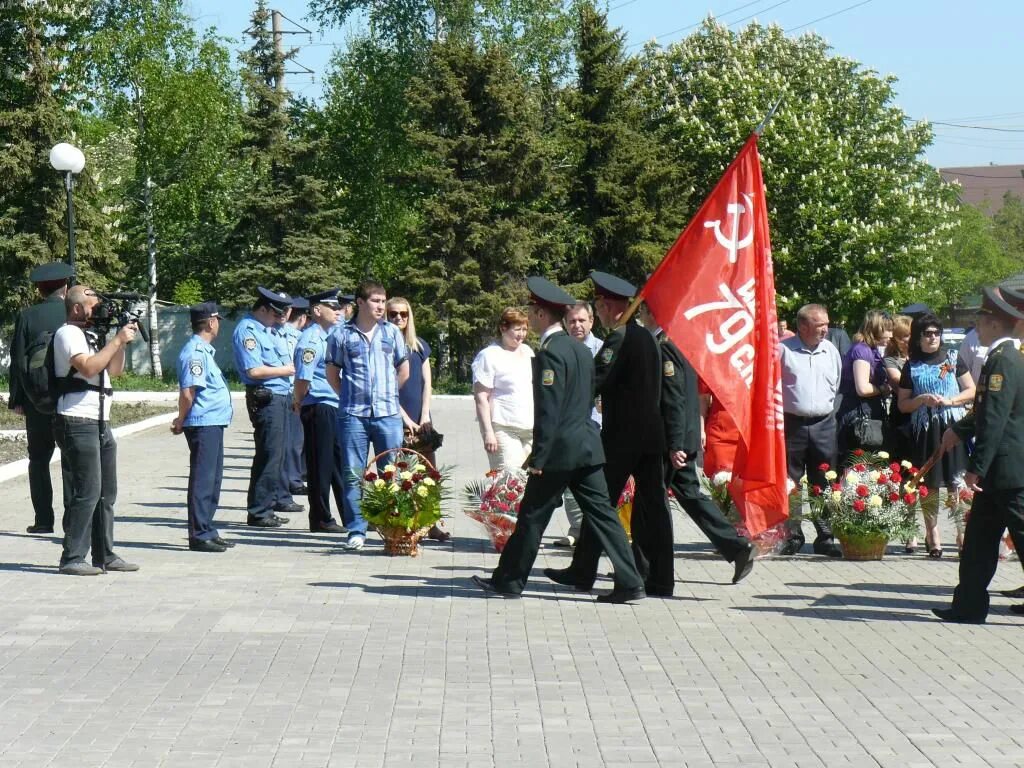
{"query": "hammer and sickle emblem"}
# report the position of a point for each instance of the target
(733, 244)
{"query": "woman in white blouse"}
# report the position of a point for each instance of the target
(503, 391)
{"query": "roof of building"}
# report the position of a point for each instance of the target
(983, 186)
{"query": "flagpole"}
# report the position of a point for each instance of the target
(771, 113)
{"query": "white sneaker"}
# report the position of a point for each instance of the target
(355, 542)
(566, 541)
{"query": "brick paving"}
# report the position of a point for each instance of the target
(287, 651)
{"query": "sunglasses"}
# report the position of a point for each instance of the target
(931, 334)
(398, 313)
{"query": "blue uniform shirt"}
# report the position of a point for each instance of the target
(197, 368)
(311, 366)
(369, 381)
(287, 338)
(254, 345)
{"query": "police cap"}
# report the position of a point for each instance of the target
(279, 302)
(1013, 296)
(612, 287)
(546, 294)
(53, 272)
(203, 311)
(993, 303)
(347, 298)
(300, 304)
(329, 297)
(916, 310)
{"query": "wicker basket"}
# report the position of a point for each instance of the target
(399, 541)
(863, 547)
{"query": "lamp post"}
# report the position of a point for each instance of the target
(69, 160)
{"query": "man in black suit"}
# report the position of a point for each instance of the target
(680, 412)
(994, 469)
(51, 280)
(566, 453)
(629, 384)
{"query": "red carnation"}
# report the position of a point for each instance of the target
(923, 490)
(897, 478)
(859, 505)
(816, 490)
(824, 467)
(863, 492)
(894, 496)
(370, 477)
(388, 475)
(860, 467)
(402, 464)
(434, 475)
(836, 487)
(503, 506)
(909, 498)
(858, 452)
(894, 467)
(913, 469)
(511, 495)
(407, 485)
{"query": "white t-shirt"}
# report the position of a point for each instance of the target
(973, 353)
(509, 376)
(70, 340)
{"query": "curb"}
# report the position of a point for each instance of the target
(20, 467)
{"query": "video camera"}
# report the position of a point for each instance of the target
(117, 310)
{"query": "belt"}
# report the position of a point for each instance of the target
(807, 419)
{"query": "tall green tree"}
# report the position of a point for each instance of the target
(856, 213)
(1008, 227)
(286, 233)
(626, 192)
(483, 179)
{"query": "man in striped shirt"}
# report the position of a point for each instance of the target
(367, 363)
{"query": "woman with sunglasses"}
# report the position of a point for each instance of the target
(934, 388)
(414, 396)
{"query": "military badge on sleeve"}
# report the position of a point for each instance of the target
(195, 367)
(308, 355)
(995, 382)
(607, 354)
(547, 377)
(249, 343)
(668, 368)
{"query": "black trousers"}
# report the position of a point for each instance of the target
(89, 450)
(205, 472)
(542, 496)
(39, 432)
(323, 462)
(704, 512)
(267, 474)
(991, 513)
(810, 442)
(651, 524)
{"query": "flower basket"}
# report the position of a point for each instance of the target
(402, 500)
(767, 543)
(863, 546)
(494, 503)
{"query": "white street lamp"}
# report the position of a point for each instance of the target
(69, 160)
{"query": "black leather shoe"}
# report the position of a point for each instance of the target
(264, 522)
(490, 589)
(224, 542)
(39, 529)
(743, 564)
(299, 490)
(827, 546)
(652, 591)
(564, 577)
(1015, 593)
(198, 545)
(620, 596)
(293, 507)
(331, 527)
(948, 614)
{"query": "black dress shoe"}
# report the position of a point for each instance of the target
(565, 577)
(39, 529)
(210, 545)
(743, 564)
(331, 527)
(293, 507)
(490, 589)
(281, 520)
(791, 546)
(653, 591)
(827, 546)
(264, 522)
(1017, 609)
(620, 596)
(299, 490)
(948, 614)
(224, 542)
(1015, 593)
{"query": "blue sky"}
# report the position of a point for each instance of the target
(956, 62)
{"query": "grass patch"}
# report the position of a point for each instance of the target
(120, 414)
(12, 450)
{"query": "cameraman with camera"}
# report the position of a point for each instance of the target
(83, 365)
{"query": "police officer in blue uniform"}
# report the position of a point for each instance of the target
(264, 366)
(317, 403)
(204, 411)
(294, 462)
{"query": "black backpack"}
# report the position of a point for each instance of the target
(42, 385)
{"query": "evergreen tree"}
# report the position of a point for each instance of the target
(286, 236)
(626, 192)
(486, 220)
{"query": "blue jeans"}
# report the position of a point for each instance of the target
(205, 471)
(355, 433)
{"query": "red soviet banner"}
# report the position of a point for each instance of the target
(714, 294)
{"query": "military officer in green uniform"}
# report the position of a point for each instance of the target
(994, 469)
(680, 411)
(567, 453)
(51, 280)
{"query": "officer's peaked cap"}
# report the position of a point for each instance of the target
(52, 272)
(612, 287)
(547, 294)
(328, 297)
(203, 311)
(993, 303)
(278, 302)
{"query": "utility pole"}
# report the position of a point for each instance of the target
(277, 28)
(154, 333)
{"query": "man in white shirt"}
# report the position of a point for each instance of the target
(973, 353)
(82, 430)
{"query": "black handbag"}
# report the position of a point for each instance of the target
(869, 433)
(425, 441)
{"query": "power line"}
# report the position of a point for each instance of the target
(949, 172)
(829, 16)
(755, 15)
(621, 5)
(692, 26)
(977, 127)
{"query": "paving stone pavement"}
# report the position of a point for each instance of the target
(287, 651)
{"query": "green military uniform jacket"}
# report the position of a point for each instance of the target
(564, 436)
(997, 421)
(48, 315)
(680, 408)
(629, 383)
